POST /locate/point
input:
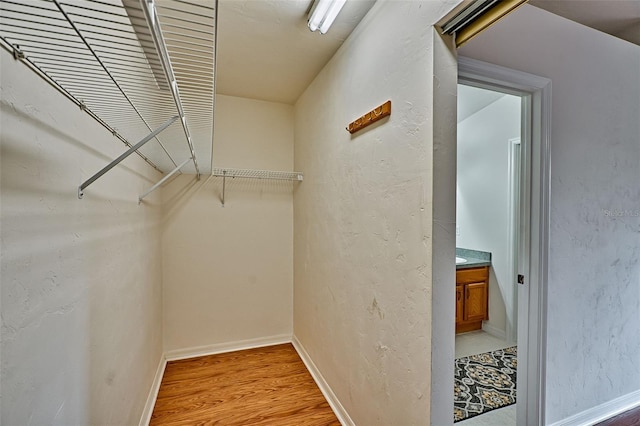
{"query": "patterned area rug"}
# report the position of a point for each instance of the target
(484, 382)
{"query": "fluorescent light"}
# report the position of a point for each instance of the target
(318, 13)
(323, 14)
(335, 8)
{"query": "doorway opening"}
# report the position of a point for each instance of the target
(532, 225)
(488, 215)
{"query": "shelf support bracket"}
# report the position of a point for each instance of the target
(224, 182)
(130, 151)
(17, 53)
(163, 180)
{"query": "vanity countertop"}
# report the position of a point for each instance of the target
(475, 258)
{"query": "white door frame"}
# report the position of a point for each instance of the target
(536, 140)
(515, 230)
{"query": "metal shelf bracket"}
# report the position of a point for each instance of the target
(224, 184)
(163, 180)
(130, 151)
(17, 53)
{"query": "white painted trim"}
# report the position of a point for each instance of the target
(494, 331)
(489, 75)
(219, 348)
(532, 333)
(514, 233)
(153, 393)
(603, 412)
(326, 390)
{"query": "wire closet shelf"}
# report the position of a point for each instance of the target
(144, 69)
(257, 174)
(225, 173)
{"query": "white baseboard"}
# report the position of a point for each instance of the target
(326, 390)
(153, 393)
(494, 331)
(219, 348)
(603, 411)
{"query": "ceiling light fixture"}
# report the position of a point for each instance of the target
(323, 13)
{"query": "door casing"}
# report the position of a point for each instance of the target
(534, 223)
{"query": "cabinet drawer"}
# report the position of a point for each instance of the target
(473, 275)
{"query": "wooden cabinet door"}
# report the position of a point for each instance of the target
(475, 301)
(459, 303)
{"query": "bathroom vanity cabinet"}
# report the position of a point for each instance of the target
(472, 298)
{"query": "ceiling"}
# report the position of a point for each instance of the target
(266, 51)
(473, 99)
(620, 18)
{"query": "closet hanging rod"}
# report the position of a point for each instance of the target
(130, 151)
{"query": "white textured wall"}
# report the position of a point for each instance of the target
(482, 214)
(363, 217)
(228, 271)
(445, 78)
(594, 271)
(80, 279)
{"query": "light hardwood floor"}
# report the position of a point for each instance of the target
(264, 386)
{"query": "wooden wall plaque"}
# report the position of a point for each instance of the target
(371, 117)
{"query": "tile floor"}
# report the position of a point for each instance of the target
(501, 417)
(477, 342)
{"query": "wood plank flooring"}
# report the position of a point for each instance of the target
(628, 418)
(264, 386)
